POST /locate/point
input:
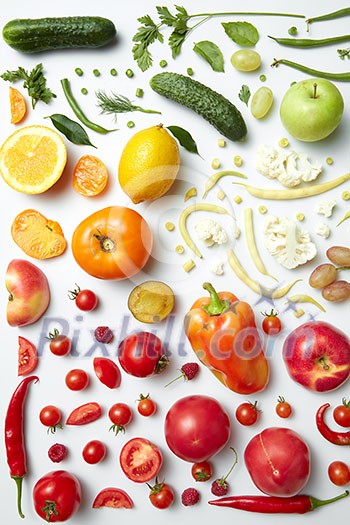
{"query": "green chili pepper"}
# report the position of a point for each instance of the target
(340, 77)
(72, 130)
(309, 42)
(78, 111)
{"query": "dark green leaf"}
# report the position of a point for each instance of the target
(211, 53)
(176, 40)
(243, 33)
(72, 130)
(244, 94)
(185, 138)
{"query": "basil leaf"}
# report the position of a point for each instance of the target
(243, 33)
(211, 53)
(72, 130)
(185, 138)
(244, 94)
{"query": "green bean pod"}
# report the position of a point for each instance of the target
(329, 16)
(310, 42)
(340, 77)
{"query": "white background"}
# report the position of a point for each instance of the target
(62, 203)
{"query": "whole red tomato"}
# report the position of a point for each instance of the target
(202, 471)
(142, 354)
(247, 413)
(57, 496)
(339, 473)
(60, 344)
(341, 414)
(196, 428)
(112, 243)
(161, 496)
(94, 451)
(77, 379)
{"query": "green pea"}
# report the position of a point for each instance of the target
(131, 124)
(293, 31)
(163, 63)
(84, 91)
(113, 72)
(262, 78)
(139, 92)
(96, 72)
(129, 73)
(79, 71)
(190, 71)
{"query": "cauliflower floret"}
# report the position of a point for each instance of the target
(323, 230)
(290, 245)
(325, 207)
(216, 267)
(210, 232)
(309, 172)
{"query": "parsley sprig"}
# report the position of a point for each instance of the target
(34, 82)
(150, 31)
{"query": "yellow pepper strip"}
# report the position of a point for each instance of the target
(183, 222)
(345, 218)
(192, 192)
(254, 285)
(305, 299)
(251, 243)
(215, 177)
(298, 193)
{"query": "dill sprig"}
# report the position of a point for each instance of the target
(114, 103)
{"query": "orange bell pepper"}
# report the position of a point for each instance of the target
(223, 334)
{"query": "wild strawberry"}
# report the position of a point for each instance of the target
(103, 334)
(57, 452)
(220, 486)
(188, 372)
(190, 497)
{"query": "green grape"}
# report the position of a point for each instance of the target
(261, 102)
(246, 60)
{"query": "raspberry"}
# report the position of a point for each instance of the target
(103, 334)
(188, 372)
(219, 487)
(57, 452)
(190, 497)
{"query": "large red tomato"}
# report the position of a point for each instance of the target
(196, 428)
(57, 496)
(112, 243)
(278, 460)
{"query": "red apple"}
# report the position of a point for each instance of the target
(29, 293)
(278, 461)
(317, 356)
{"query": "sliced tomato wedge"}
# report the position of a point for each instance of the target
(140, 460)
(114, 498)
(107, 372)
(84, 414)
(27, 356)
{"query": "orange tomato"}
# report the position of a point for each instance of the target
(112, 243)
(90, 176)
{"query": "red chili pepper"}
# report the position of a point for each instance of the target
(274, 505)
(338, 438)
(14, 437)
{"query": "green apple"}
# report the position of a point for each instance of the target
(312, 109)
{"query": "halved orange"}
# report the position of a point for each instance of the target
(90, 176)
(18, 105)
(32, 159)
(38, 236)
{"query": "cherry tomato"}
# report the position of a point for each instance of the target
(339, 473)
(86, 300)
(27, 356)
(113, 498)
(77, 379)
(120, 414)
(283, 408)
(57, 496)
(112, 243)
(50, 416)
(202, 471)
(247, 413)
(162, 496)
(94, 451)
(341, 414)
(142, 354)
(140, 460)
(59, 344)
(84, 414)
(146, 406)
(271, 324)
(107, 372)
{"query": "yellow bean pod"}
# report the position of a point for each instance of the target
(302, 298)
(215, 177)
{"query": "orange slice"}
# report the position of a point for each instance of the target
(17, 105)
(37, 236)
(32, 159)
(90, 176)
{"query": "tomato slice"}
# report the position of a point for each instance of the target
(114, 498)
(84, 414)
(27, 356)
(140, 460)
(107, 372)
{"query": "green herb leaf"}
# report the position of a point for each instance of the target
(72, 130)
(211, 53)
(185, 138)
(34, 82)
(244, 94)
(146, 34)
(344, 53)
(243, 33)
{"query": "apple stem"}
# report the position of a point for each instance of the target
(324, 364)
(315, 90)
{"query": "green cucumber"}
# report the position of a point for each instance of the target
(212, 106)
(43, 34)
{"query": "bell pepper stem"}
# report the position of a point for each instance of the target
(19, 482)
(216, 306)
(319, 502)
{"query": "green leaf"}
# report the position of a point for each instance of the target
(243, 33)
(72, 130)
(244, 94)
(165, 16)
(185, 138)
(211, 53)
